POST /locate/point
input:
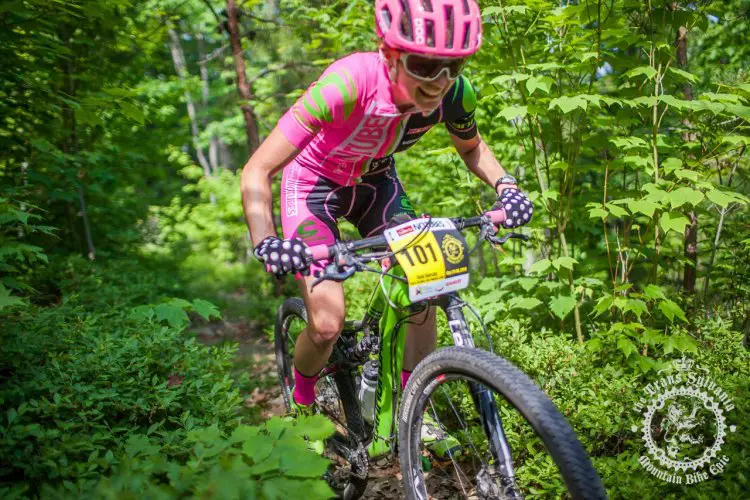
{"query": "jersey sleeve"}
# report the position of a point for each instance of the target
(461, 122)
(328, 102)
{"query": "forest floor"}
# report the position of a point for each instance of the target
(263, 398)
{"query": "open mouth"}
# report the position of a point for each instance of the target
(426, 95)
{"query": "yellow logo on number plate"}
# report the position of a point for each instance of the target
(452, 249)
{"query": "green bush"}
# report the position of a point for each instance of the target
(107, 393)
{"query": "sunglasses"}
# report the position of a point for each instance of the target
(428, 69)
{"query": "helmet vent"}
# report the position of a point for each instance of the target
(466, 8)
(385, 16)
(405, 24)
(427, 5)
(467, 34)
(449, 24)
(430, 32)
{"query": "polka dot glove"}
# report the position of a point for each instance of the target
(284, 256)
(517, 207)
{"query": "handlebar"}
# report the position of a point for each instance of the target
(323, 252)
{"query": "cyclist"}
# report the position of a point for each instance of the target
(336, 145)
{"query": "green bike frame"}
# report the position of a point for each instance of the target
(390, 303)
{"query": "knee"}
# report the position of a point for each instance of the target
(325, 329)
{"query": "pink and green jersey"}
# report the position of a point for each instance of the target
(347, 128)
(347, 119)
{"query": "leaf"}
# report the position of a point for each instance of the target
(550, 194)
(603, 305)
(647, 71)
(721, 198)
(7, 300)
(258, 447)
(626, 346)
(683, 74)
(653, 292)
(543, 83)
(315, 427)
(683, 195)
(670, 310)
(568, 103)
(671, 164)
(540, 266)
(302, 462)
(685, 343)
(642, 206)
(524, 303)
(616, 210)
(513, 112)
(739, 111)
(132, 112)
(562, 305)
(527, 283)
(671, 100)
(175, 316)
(636, 306)
(566, 262)
(673, 222)
(597, 212)
(205, 309)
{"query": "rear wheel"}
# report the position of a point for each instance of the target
(336, 398)
(479, 398)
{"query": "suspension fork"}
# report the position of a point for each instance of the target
(483, 398)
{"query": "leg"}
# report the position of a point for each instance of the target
(420, 339)
(310, 206)
(325, 314)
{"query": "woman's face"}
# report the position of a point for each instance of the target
(426, 96)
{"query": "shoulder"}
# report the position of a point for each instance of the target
(461, 98)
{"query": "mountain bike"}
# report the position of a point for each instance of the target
(480, 399)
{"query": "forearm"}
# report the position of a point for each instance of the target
(257, 201)
(482, 162)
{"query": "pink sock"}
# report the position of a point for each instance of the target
(404, 378)
(304, 388)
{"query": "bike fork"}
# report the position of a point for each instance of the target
(484, 402)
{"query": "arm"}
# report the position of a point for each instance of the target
(480, 160)
(272, 156)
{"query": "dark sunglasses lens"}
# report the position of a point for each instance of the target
(423, 67)
(455, 66)
(429, 68)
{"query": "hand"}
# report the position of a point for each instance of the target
(284, 256)
(517, 206)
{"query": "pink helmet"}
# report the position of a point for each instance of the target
(445, 28)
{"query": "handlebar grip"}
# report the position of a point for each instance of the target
(497, 216)
(320, 252)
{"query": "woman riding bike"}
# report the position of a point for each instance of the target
(336, 145)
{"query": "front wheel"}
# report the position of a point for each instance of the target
(476, 398)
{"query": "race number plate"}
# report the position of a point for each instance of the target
(435, 260)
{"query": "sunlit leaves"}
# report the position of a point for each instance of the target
(673, 222)
(562, 305)
(684, 195)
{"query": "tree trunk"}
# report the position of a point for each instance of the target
(70, 147)
(213, 148)
(690, 248)
(243, 87)
(178, 57)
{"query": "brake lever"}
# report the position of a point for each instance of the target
(334, 276)
(507, 236)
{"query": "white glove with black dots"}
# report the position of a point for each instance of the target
(284, 256)
(518, 208)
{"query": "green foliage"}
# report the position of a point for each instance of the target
(104, 399)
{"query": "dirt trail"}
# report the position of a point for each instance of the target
(256, 354)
